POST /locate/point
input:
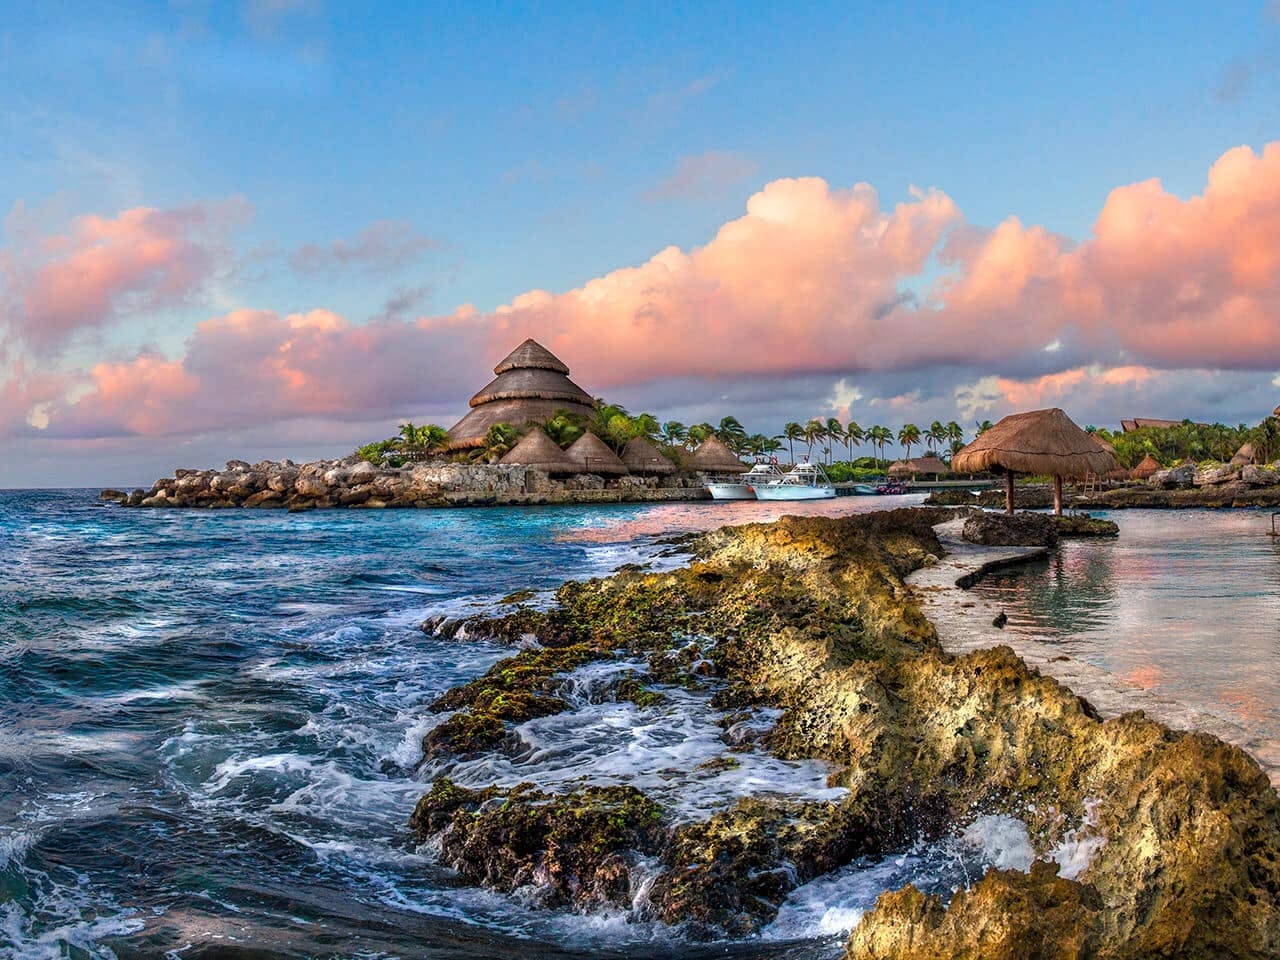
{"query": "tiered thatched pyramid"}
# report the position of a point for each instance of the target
(531, 384)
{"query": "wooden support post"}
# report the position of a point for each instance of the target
(1008, 492)
(1057, 496)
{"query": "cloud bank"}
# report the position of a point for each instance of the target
(811, 281)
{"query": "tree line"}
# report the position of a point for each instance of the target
(616, 426)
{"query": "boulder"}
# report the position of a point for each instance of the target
(1255, 476)
(282, 479)
(237, 465)
(1018, 530)
(1175, 478)
(1215, 474)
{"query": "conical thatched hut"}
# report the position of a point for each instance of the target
(929, 466)
(591, 455)
(531, 385)
(1147, 469)
(539, 451)
(1244, 456)
(643, 457)
(1042, 441)
(714, 456)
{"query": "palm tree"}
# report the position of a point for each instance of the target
(908, 437)
(700, 431)
(645, 425)
(853, 437)
(499, 441)
(791, 432)
(674, 433)
(562, 427)
(936, 434)
(982, 427)
(955, 433)
(835, 431)
(814, 431)
(879, 436)
(732, 433)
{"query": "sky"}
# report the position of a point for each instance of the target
(280, 227)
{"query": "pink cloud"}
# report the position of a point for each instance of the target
(102, 267)
(810, 281)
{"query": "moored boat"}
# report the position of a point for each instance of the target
(743, 485)
(805, 481)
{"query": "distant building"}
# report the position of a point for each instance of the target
(1128, 426)
(531, 385)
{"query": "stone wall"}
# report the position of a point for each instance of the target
(355, 483)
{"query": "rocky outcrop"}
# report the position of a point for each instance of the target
(1078, 526)
(355, 483)
(1175, 836)
(1154, 498)
(1011, 530)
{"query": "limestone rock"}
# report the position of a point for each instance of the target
(1213, 475)
(1175, 478)
(1256, 476)
(1018, 530)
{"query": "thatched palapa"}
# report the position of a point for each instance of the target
(643, 457)
(929, 465)
(540, 452)
(714, 456)
(531, 385)
(1147, 469)
(1039, 442)
(591, 455)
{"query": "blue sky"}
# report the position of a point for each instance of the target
(539, 146)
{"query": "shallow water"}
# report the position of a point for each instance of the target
(210, 728)
(1185, 602)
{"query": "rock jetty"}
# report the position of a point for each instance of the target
(352, 482)
(1149, 842)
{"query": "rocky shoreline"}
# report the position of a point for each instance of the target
(355, 483)
(1216, 486)
(1176, 834)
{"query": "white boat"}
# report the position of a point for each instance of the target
(805, 481)
(743, 485)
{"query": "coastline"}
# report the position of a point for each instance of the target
(964, 624)
(826, 621)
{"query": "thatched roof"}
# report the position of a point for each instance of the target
(538, 450)
(531, 355)
(1147, 469)
(470, 430)
(910, 468)
(1244, 456)
(531, 384)
(641, 456)
(1276, 411)
(1042, 441)
(714, 456)
(592, 456)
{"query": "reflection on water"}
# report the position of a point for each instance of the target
(1186, 603)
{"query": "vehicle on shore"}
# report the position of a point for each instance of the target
(890, 489)
(743, 486)
(804, 481)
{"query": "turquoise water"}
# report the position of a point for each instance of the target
(210, 727)
(1186, 603)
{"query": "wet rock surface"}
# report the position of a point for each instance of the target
(1011, 530)
(1081, 526)
(1176, 836)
